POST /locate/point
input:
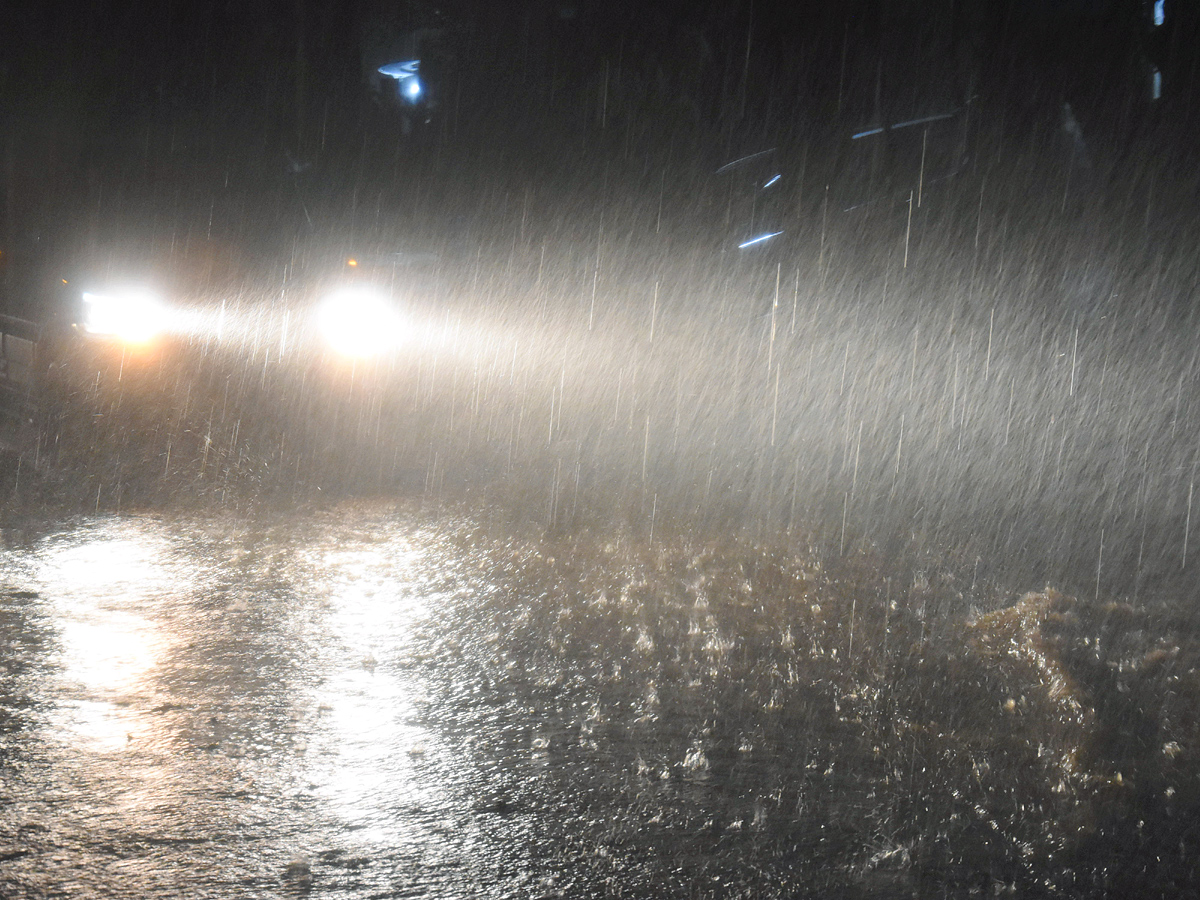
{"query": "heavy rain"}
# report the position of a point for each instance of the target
(585, 450)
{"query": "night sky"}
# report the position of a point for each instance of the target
(141, 57)
(85, 92)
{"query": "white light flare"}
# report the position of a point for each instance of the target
(133, 316)
(359, 323)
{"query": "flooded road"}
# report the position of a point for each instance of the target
(386, 700)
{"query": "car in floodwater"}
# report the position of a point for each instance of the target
(69, 330)
(319, 298)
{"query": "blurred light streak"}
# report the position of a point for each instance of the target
(737, 163)
(924, 120)
(759, 240)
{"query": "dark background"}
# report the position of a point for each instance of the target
(115, 95)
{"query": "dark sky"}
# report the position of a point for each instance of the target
(130, 48)
(115, 62)
(179, 98)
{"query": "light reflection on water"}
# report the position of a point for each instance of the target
(204, 681)
(366, 747)
(421, 705)
(99, 582)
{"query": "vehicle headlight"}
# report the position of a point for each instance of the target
(360, 323)
(133, 316)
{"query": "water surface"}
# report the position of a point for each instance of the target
(390, 700)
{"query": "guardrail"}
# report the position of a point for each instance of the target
(20, 343)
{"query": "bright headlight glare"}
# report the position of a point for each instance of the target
(359, 323)
(132, 316)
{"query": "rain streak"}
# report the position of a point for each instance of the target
(655, 463)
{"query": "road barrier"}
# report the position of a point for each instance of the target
(20, 342)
